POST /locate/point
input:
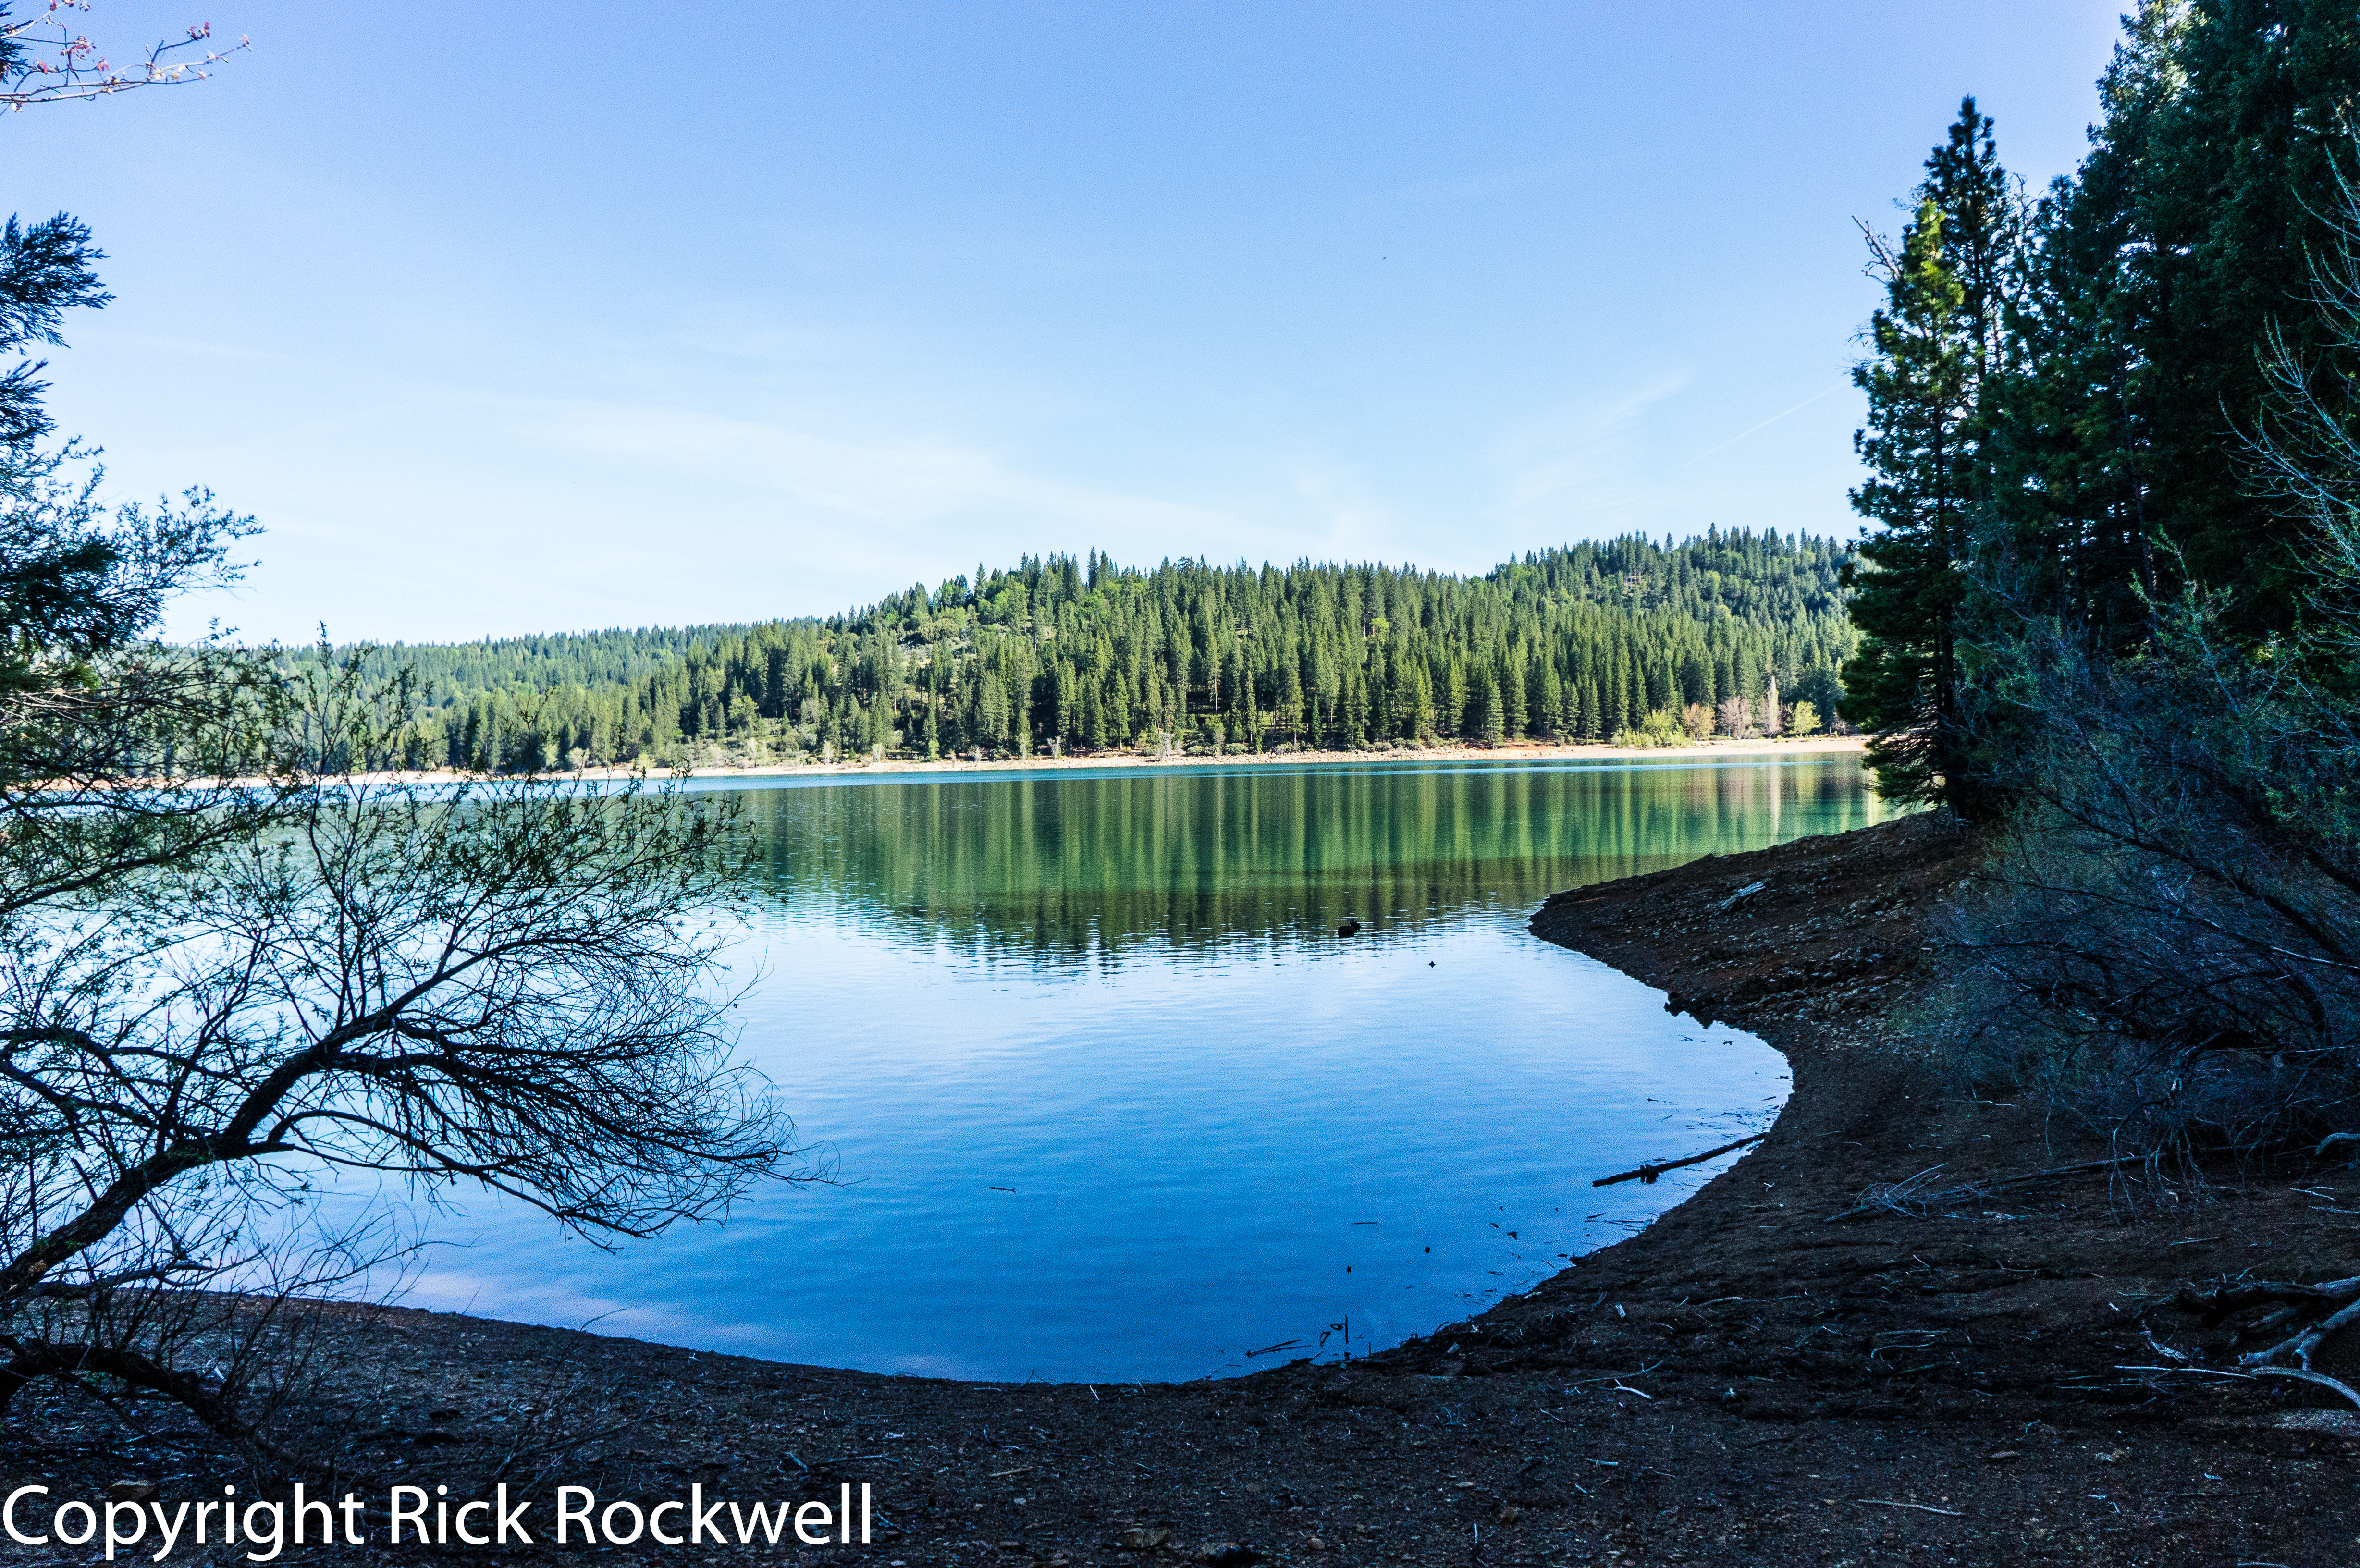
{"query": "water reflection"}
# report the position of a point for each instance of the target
(1062, 868)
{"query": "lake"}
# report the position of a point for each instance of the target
(1109, 1099)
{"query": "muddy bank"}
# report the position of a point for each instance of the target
(1747, 1381)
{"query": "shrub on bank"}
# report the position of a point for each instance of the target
(1660, 728)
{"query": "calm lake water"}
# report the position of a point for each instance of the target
(1110, 1100)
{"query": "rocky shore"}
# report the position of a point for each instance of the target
(1749, 1380)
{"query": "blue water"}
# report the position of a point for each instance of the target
(1107, 1099)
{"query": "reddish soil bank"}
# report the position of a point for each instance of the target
(1747, 1381)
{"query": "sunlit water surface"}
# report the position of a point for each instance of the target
(1109, 1099)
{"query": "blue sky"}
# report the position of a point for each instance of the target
(538, 317)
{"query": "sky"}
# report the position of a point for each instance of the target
(541, 317)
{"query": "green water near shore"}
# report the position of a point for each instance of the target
(1062, 865)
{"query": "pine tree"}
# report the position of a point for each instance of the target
(1933, 384)
(1490, 722)
(1417, 720)
(1550, 700)
(1511, 703)
(988, 718)
(1903, 683)
(2239, 112)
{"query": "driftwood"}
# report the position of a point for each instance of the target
(1649, 1172)
(1913, 1198)
(2317, 1310)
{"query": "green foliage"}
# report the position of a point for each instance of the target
(1661, 728)
(1938, 351)
(2062, 397)
(2234, 114)
(2162, 293)
(92, 709)
(1086, 657)
(45, 271)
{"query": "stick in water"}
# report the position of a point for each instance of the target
(1649, 1172)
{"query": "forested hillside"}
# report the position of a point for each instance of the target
(1080, 656)
(621, 656)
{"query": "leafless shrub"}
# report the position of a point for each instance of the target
(237, 1369)
(508, 984)
(2169, 936)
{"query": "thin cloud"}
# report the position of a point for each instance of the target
(1773, 420)
(1592, 454)
(890, 480)
(1345, 519)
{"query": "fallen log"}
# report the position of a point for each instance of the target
(1649, 1172)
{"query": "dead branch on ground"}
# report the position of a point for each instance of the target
(1915, 1199)
(2315, 1311)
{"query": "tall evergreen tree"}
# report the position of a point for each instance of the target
(2249, 106)
(1940, 346)
(1903, 683)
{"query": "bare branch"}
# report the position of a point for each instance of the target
(45, 61)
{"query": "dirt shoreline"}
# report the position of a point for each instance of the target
(1713, 748)
(1744, 1382)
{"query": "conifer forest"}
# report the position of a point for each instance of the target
(1734, 633)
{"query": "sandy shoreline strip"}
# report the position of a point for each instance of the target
(1712, 750)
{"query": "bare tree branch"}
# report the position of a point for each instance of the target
(44, 60)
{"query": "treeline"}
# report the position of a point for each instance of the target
(1735, 631)
(618, 656)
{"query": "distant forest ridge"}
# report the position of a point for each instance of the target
(1077, 655)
